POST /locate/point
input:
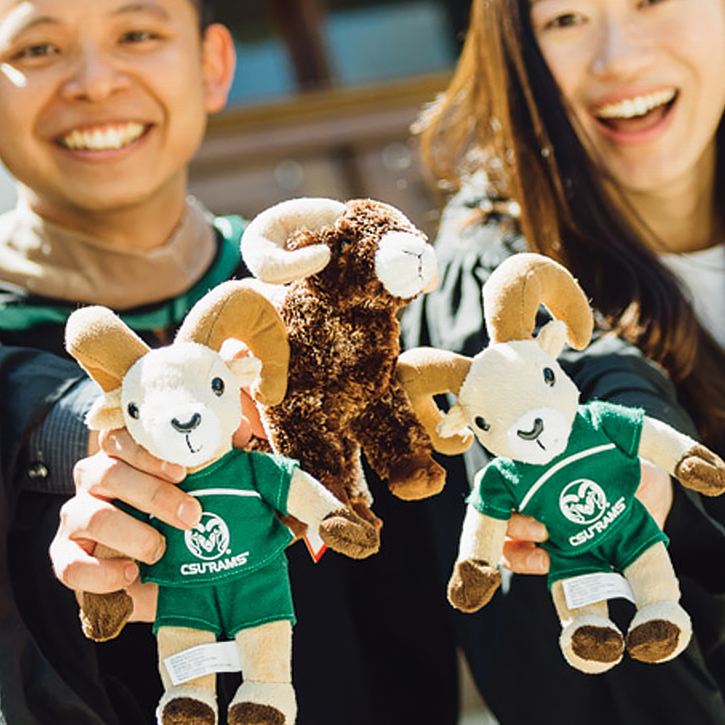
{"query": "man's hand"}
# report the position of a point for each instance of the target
(122, 470)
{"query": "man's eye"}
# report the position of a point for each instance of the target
(139, 36)
(40, 50)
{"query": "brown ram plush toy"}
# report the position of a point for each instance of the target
(348, 268)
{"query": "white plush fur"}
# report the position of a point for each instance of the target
(405, 263)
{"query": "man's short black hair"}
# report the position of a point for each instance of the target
(205, 9)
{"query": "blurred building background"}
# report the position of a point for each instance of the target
(322, 102)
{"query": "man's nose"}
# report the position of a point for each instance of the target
(95, 76)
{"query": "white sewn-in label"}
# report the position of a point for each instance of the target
(590, 588)
(205, 659)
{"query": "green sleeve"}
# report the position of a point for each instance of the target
(490, 495)
(623, 425)
(272, 477)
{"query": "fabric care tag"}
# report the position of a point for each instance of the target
(315, 545)
(206, 659)
(591, 588)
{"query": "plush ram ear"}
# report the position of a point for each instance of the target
(103, 344)
(454, 422)
(236, 309)
(552, 337)
(425, 372)
(106, 413)
(245, 367)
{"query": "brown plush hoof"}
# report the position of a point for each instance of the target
(187, 711)
(416, 477)
(472, 584)
(366, 513)
(103, 616)
(702, 470)
(597, 644)
(653, 641)
(348, 534)
(250, 713)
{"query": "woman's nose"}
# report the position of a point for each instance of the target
(623, 51)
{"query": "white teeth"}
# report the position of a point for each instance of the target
(638, 106)
(100, 139)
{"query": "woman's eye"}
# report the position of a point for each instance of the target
(481, 423)
(549, 377)
(565, 20)
(133, 411)
(217, 386)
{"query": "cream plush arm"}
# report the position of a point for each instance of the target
(694, 465)
(476, 576)
(338, 526)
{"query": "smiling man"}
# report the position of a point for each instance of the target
(102, 105)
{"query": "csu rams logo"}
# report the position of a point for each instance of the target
(209, 539)
(583, 501)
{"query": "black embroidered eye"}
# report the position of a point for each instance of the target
(481, 423)
(133, 411)
(217, 385)
(549, 377)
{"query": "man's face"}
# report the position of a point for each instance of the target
(102, 102)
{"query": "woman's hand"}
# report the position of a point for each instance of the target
(521, 553)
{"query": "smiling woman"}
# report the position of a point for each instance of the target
(592, 131)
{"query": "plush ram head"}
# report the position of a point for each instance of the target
(182, 402)
(513, 395)
(379, 250)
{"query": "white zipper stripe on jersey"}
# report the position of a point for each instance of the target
(562, 464)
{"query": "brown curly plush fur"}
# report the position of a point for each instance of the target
(342, 393)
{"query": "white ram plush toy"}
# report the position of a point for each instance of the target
(182, 403)
(573, 467)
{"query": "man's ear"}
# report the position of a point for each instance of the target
(219, 59)
(106, 412)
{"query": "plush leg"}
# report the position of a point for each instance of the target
(192, 702)
(661, 629)
(590, 641)
(266, 696)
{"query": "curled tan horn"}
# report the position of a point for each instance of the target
(103, 344)
(235, 309)
(424, 372)
(516, 288)
(263, 241)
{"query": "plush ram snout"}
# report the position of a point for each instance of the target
(182, 403)
(406, 264)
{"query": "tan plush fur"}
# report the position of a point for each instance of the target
(342, 393)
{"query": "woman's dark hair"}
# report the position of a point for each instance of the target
(502, 111)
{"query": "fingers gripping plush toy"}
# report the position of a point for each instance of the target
(229, 573)
(573, 467)
(348, 269)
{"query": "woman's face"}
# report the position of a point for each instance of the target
(644, 81)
